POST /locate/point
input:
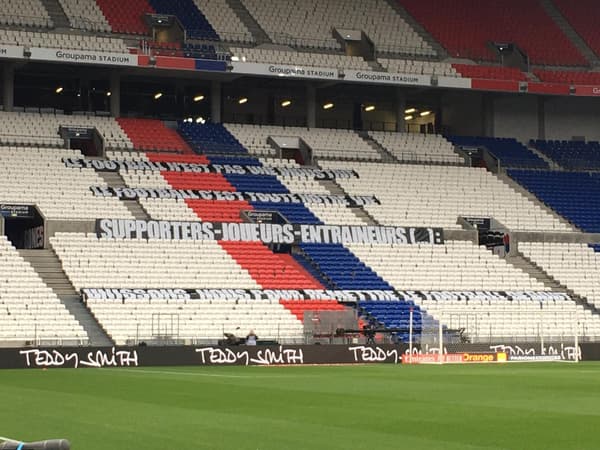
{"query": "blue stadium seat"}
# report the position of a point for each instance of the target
(572, 155)
(342, 267)
(211, 139)
(510, 152)
(574, 195)
(195, 23)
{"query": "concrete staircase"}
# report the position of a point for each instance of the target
(374, 64)
(56, 13)
(435, 45)
(115, 180)
(260, 36)
(525, 264)
(570, 32)
(386, 156)
(549, 161)
(335, 189)
(49, 268)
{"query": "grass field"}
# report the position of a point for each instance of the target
(513, 406)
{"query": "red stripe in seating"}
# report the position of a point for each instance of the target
(200, 181)
(270, 270)
(217, 210)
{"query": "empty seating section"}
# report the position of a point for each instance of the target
(308, 23)
(489, 72)
(270, 270)
(419, 195)
(429, 148)
(453, 266)
(18, 128)
(29, 310)
(509, 151)
(211, 139)
(343, 268)
(24, 13)
(149, 134)
(574, 195)
(224, 20)
(514, 320)
(198, 321)
(85, 15)
(272, 56)
(38, 176)
(418, 67)
(63, 41)
(583, 15)
(126, 16)
(465, 27)
(395, 314)
(568, 76)
(325, 142)
(91, 262)
(575, 265)
(574, 155)
(191, 18)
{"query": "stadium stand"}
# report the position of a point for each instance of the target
(525, 319)
(285, 23)
(126, 17)
(583, 16)
(211, 139)
(465, 27)
(509, 151)
(489, 72)
(568, 76)
(438, 195)
(454, 266)
(33, 129)
(38, 176)
(153, 135)
(418, 67)
(224, 20)
(85, 15)
(30, 13)
(325, 143)
(63, 41)
(29, 310)
(266, 55)
(575, 265)
(417, 147)
(195, 23)
(574, 195)
(573, 155)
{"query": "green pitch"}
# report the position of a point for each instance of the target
(512, 406)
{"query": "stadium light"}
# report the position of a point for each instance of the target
(108, 94)
(410, 110)
(158, 95)
(286, 103)
(424, 113)
(370, 108)
(59, 89)
(408, 117)
(199, 98)
(328, 105)
(200, 120)
(243, 100)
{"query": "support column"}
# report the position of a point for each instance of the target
(311, 106)
(400, 108)
(115, 94)
(487, 116)
(8, 89)
(215, 102)
(541, 116)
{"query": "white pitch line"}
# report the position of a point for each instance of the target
(200, 374)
